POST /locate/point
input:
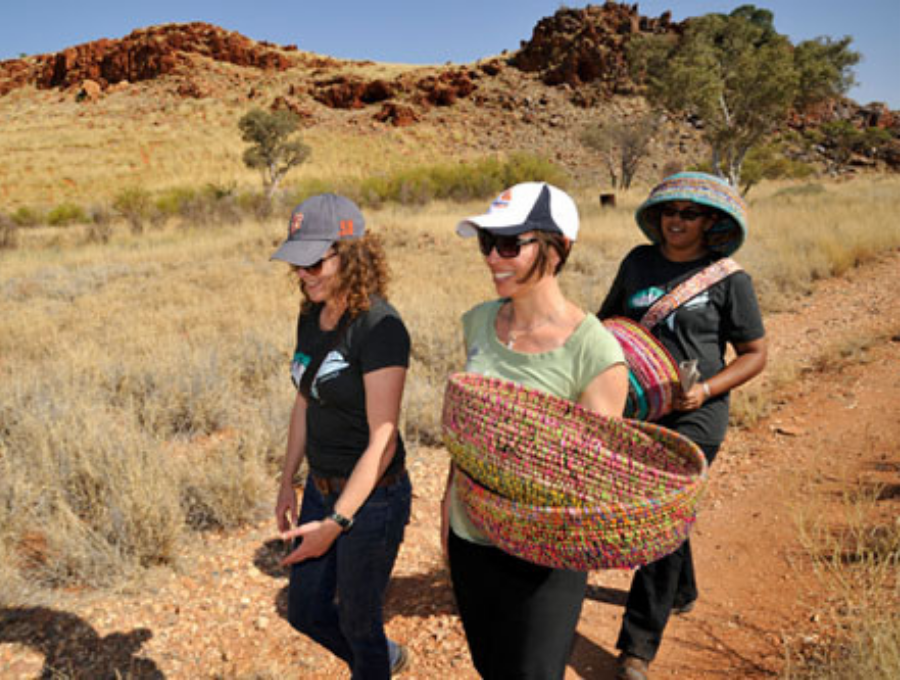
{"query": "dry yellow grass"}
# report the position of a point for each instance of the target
(164, 356)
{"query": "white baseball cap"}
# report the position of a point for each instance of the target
(529, 206)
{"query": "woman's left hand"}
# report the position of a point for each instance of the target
(692, 399)
(317, 539)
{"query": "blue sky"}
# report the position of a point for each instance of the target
(423, 32)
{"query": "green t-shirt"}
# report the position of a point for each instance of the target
(564, 372)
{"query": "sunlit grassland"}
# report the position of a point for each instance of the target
(55, 149)
(145, 387)
(855, 555)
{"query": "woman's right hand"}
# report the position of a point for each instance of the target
(286, 507)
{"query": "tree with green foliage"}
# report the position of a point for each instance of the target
(273, 150)
(841, 140)
(622, 145)
(739, 78)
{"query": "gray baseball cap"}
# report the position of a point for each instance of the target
(316, 224)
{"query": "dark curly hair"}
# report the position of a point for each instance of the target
(364, 272)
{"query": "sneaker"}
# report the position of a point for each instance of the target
(399, 657)
(632, 668)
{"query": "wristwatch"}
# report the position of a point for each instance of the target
(343, 522)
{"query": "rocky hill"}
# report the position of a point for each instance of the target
(572, 71)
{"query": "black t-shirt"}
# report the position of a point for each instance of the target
(337, 430)
(700, 328)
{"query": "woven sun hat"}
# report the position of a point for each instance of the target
(728, 232)
(562, 486)
(653, 377)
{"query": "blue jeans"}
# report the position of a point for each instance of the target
(337, 599)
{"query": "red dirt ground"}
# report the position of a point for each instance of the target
(222, 614)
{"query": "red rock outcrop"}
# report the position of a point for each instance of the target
(144, 54)
(398, 115)
(579, 46)
(445, 88)
(351, 93)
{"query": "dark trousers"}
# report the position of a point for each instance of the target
(519, 618)
(656, 589)
(337, 599)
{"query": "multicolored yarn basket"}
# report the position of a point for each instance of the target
(562, 486)
(653, 374)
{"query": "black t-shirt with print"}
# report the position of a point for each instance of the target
(337, 430)
(701, 328)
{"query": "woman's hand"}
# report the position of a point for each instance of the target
(317, 539)
(692, 399)
(286, 507)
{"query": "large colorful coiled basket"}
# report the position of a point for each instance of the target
(562, 486)
(653, 374)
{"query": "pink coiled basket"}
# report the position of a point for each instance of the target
(562, 486)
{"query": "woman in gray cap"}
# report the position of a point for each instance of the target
(349, 368)
(520, 617)
(696, 300)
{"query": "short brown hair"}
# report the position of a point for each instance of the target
(545, 242)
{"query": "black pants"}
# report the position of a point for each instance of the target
(656, 589)
(519, 617)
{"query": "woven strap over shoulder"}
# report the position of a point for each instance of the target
(699, 282)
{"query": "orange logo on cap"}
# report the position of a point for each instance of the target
(296, 221)
(346, 228)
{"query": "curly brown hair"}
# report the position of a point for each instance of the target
(364, 272)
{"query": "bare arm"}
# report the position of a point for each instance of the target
(607, 392)
(750, 361)
(286, 504)
(384, 392)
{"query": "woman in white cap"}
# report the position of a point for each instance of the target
(519, 617)
(700, 302)
(349, 368)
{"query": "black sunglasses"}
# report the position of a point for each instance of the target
(686, 214)
(507, 247)
(316, 267)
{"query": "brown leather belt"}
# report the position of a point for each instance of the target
(330, 485)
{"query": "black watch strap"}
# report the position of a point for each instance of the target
(343, 522)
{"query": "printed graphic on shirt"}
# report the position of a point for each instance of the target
(333, 364)
(644, 298)
(298, 367)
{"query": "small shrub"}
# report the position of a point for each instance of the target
(27, 217)
(134, 204)
(99, 225)
(9, 233)
(66, 213)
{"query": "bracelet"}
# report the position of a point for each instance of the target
(706, 392)
(343, 522)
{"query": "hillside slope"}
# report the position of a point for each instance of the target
(159, 108)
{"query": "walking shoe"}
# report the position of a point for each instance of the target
(399, 657)
(632, 668)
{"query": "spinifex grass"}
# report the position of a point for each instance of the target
(145, 385)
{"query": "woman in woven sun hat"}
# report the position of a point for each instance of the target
(350, 362)
(697, 301)
(519, 617)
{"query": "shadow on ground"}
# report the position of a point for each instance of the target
(72, 649)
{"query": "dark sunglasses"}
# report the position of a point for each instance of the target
(686, 214)
(315, 268)
(507, 247)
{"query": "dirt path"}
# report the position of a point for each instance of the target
(222, 614)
